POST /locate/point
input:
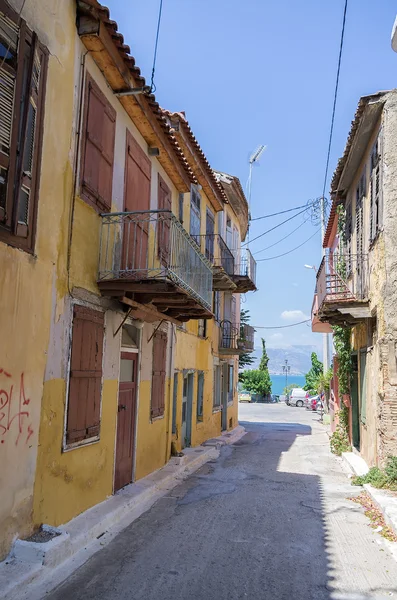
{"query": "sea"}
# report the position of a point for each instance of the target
(278, 382)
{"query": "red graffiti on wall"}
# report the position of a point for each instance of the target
(14, 414)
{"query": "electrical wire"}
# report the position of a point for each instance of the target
(283, 238)
(281, 326)
(152, 86)
(289, 251)
(335, 97)
(275, 227)
(9, 45)
(286, 211)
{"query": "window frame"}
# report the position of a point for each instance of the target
(13, 233)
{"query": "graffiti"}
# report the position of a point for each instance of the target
(14, 411)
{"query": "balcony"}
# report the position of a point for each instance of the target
(235, 340)
(147, 259)
(342, 290)
(245, 272)
(222, 261)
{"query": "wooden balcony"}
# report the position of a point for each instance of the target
(245, 272)
(342, 290)
(148, 261)
(235, 340)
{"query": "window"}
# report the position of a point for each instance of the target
(376, 195)
(23, 69)
(195, 214)
(158, 376)
(202, 328)
(85, 380)
(180, 207)
(217, 387)
(348, 235)
(200, 395)
(217, 306)
(209, 235)
(230, 383)
(97, 151)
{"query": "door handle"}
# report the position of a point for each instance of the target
(121, 407)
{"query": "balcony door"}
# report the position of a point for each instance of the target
(164, 223)
(136, 198)
(209, 235)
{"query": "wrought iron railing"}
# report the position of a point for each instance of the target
(342, 277)
(218, 252)
(236, 338)
(246, 266)
(144, 245)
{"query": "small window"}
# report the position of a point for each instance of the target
(23, 66)
(85, 380)
(202, 328)
(200, 395)
(97, 152)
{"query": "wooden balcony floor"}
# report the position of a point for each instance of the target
(243, 284)
(221, 280)
(161, 295)
(344, 312)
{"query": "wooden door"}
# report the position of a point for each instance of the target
(184, 412)
(136, 198)
(164, 223)
(126, 420)
(224, 393)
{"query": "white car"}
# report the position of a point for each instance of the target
(297, 397)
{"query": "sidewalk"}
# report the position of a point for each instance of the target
(386, 501)
(33, 569)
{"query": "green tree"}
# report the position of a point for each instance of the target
(312, 377)
(263, 368)
(288, 389)
(246, 359)
(256, 382)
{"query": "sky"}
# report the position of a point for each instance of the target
(263, 72)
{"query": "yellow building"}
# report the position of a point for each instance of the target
(109, 266)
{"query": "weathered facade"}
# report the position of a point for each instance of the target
(356, 282)
(113, 260)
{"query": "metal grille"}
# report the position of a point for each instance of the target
(218, 252)
(336, 284)
(247, 265)
(146, 245)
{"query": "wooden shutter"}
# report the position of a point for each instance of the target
(164, 222)
(85, 383)
(98, 148)
(363, 385)
(158, 377)
(195, 214)
(200, 394)
(209, 235)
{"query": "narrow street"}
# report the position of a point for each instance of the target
(269, 519)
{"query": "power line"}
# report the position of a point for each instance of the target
(289, 251)
(335, 97)
(275, 227)
(281, 326)
(283, 238)
(152, 86)
(285, 211)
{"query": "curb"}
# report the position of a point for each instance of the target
(44, 566)
(386, 503)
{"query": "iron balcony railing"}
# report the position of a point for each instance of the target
(234, 338)
(218, 252)
(246, 266)
(342, 278)
(147, 245)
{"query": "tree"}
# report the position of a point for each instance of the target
(256, 382)
(312, 377)
(246, 359)
(263, 368)
(288, 389)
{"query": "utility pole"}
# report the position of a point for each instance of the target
(286, 370)
(326, 361)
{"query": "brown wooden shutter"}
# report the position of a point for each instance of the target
(98, 148)
(158, 377)
(164, 224)
(85, 381)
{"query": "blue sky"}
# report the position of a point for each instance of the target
(263, 72)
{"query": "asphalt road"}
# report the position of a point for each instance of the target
(269, 519)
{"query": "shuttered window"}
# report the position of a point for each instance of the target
(195, 214)
(23, 67)
(158, 376)
(164, 222)
(85, 383)
(363, 385)
(97, 148)
(200, 395)
(376, 196)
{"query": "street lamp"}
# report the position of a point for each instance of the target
(255, 156)
(286, 370)
(311, 267)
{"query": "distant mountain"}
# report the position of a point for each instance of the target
(298, 359)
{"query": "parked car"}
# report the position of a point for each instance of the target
(244, 396)
(309, 402)
(297, 397)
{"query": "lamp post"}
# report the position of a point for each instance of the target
(255, 156)
(286, 370)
